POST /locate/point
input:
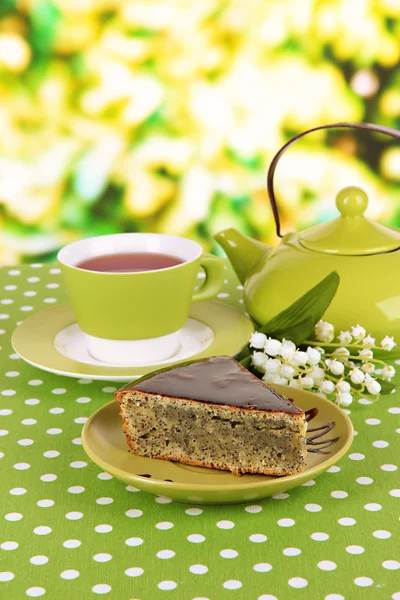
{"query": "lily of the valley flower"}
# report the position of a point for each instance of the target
(357, 376)
(257, 340)
(388, 372)
(345, 337)
(324, 331)
(314, 356)
(273, 347)
(344, 399)
(373, 386)
(368, 341)
(335, 367)
(358, 332)
(388, 343)
(365, 354)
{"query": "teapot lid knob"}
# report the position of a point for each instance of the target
(352, 202)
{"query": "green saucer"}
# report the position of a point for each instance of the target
(104, 442)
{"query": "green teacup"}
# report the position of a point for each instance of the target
(135, 318)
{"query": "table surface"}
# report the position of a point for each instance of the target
(69, 530)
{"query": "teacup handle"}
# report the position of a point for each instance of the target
(271, 171)
(214, 281)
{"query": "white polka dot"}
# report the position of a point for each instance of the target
(196, 538)
(35, 592)
(164, 525)
(78, 464)
(48, 477)
(104, 528)
(298, 582)
(193, 511)
(380, 444)
(291, 551)
(163, 500)
(258, 538)
(396, 595)
(85, 381)
(80, 420)
(4, 316)
(58, 391)
(12, 374)
(13, 516)
(334, 597)
(382, 534)
(167, 585)
(286, 522)
(104, 500)
(6, 301)
(395, 493)
(391, 565)
(363, 581)
(319, 536)
(364, 480)
(225, 524)
(83, 400)
(15, 356)
(134, 513)
(327, 565)
(262, 567)
(76, 489)
(52, 286)
(26, 308)
(355, 549)
(267, 597)
(54, 431)
(395, 410)
(77, 441)
(102, 557)
(9, 545)
(105, 476)
(134, 541)
(51, 454)
(50, 300)
(69, 574)
(35, 382)
(109, 389)
(6, 576)
(347, 521)
(54, 271)
(10, 288)
(14, 272)
(229, 553)
(45, 503)
(339, 494)
(313, 507)
(372, 506)
(198, 569)
(30, 293)
(71, 544)
(253, 508)
(101, 588)
(5, 412)
(3, 432)
(232, 584)
(389, 468)
(32, 401)
(40, 559)
(28, 422)
(36, 265)
(18, 491)
(372, 421)
(356, 456)
(134, 572)
(8, 393)
(74, 515)
(165, 554)
(42, 530)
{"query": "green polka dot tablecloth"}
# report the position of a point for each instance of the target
(69, 530)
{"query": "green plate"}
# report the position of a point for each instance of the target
(104, 442)
(35, 341)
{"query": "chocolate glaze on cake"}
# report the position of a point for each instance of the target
(217, 380)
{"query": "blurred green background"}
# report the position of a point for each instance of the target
(121, 115)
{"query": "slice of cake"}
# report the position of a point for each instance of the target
(214, 413)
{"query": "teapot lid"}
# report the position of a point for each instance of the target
(351, 233)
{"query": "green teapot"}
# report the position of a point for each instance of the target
(363, 252)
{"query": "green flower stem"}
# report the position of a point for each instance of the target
(337, 345)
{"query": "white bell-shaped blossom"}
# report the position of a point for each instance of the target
(259, 361)
(272, 347)
(343, 387)
(344, 399)
(257, 340)
(299, 358)
(388, 372)
(287, 371)
(324, 331)
(368, 341)
(345, 337)
(368, 367)
(313, 356)
(317, 374)
(306, 382)
(335, 367)
(388, 343)
(341, 351)
(272, 365)
(358, 332)
(373, 386)
(365, 354)
(327, 386)
(356, 375)
(288, 349)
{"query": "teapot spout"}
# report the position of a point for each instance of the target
(243, 252)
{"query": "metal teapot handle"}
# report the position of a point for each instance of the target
(271, 171)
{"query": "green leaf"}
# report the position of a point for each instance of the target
(386, 387)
